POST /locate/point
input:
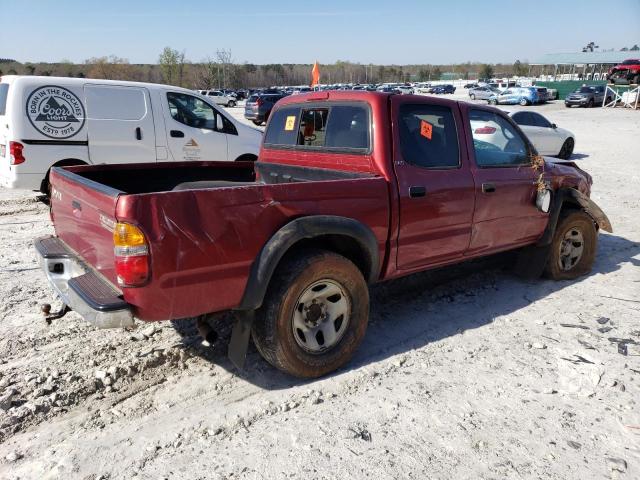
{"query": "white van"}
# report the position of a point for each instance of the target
(51, 121)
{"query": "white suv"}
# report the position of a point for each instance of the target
(220, 98)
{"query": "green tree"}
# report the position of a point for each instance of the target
(486, 71)
(31, 69)
(172, 64)
(519, 69)
(436, 74)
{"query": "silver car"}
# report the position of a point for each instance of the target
(482, 93)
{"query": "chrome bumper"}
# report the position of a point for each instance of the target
(81, 288)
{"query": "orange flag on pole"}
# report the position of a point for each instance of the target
(315, 74)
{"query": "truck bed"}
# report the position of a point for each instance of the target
(205, 222)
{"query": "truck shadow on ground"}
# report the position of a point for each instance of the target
(414, 311)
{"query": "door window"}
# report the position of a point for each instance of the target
(523, 118)
(196, 113)
(539, 120)
(428, 136)
(496, 143)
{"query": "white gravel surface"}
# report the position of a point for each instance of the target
(469, 373)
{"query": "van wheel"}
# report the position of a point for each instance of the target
(314, 316)
(573, 248)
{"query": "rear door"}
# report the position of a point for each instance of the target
(120, 124)
(435, 185)
(505, 213)
(193, 132)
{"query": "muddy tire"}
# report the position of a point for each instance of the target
(573, 248)
(314, 316)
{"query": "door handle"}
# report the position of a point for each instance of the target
(176, 133)
(416, 192)
(138, 133)
(488, 188)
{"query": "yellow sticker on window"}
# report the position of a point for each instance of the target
(290, 123)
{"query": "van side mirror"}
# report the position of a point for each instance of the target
(219, 123)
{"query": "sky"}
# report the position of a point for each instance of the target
(379, 32)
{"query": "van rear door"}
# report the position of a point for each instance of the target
(120, 123)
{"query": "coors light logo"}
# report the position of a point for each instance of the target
(55, 112)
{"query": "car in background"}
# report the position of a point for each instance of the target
(587, 96)
(516, 96)
(388, 89)
(405, 89)
(442, 89)
(482, 93)
(547, 137)
(220, 98)
(242, 94)
(471, 85)
(258, 106)
(628, 72)
(299, 90)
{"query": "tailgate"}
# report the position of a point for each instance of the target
(84, 217)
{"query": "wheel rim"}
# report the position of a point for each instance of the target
(321, 316)
(571, 249)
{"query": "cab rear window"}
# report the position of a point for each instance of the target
(4, 93)
(343, 128)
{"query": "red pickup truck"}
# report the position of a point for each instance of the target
(350, 188)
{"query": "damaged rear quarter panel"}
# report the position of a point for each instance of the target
(203, 242)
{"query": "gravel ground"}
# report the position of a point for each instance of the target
(468, 372)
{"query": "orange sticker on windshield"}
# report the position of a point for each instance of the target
(426, 129)
(290, 123)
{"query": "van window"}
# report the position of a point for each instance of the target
(428, 136)
(196, 113)
(4, 94)
(115, 103)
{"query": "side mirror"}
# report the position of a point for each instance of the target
(543, 200)
(554, 126)
(219, 123)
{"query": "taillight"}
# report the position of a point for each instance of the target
(259, 102)
(131, 255)
(485, 130)
(15, 153)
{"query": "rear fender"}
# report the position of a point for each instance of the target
(305, 228)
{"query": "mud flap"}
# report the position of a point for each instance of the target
(531, 261)
(239, 342)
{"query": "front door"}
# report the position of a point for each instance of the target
(195, 129)
(120, 124)
(505, 214)
(435, 185)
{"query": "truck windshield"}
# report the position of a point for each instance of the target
(585, 90)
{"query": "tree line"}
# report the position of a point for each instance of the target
(221, 71)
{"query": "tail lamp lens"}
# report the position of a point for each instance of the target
(16, 156)
(131, 255)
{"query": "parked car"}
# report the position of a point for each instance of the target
(517, 95)
(547, 137)
(388, 89)
(471, 85)
(242, 94)
(628, 72)
(482, 93)
(290, 243)
(221, 98)
(258, 107)
(588, 96)
(405, 89)
(441, 89)
(52, 121)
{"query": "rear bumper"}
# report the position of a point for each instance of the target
(253, 115)
(80, 287)
(23, 181)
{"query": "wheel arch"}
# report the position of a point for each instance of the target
(569, 198)
(342, 235)
(247, 157)
(66, 162)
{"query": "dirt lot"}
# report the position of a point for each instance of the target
(464, 373)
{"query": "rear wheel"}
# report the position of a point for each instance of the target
(231, 103)
(590, 104)
(567, 149)
(472, 96)
(314, 316)
(523, 102)
(573, 248)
